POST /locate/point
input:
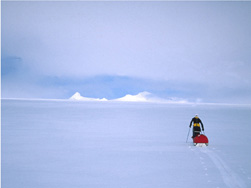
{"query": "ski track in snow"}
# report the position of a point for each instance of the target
(230, 178)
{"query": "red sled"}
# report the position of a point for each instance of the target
(200, 140)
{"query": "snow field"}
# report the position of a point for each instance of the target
(91, 144)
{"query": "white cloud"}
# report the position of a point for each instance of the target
(182, 42)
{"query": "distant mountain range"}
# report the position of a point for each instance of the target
(140, 97)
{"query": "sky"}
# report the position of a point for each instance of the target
(199, 51)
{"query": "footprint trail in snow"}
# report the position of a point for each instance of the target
(230, 178)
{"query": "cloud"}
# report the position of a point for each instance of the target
(11, 65)
(192, 49)
(148, 40)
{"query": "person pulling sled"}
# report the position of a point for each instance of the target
(196, 126)
(198, 138)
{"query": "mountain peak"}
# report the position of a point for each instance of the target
(77, 96)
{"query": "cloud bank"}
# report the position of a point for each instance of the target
(193, 50)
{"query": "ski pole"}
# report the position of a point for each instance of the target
(188, 133)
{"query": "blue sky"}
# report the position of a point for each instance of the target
(192, 50)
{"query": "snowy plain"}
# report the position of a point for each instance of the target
(49, 144)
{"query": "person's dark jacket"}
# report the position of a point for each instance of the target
(195, 121)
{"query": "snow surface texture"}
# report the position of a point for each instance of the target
(140, 97)
(129, 145)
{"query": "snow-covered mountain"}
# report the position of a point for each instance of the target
(78, 97)
(149, 97)
(140, 97)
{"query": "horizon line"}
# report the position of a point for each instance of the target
(116, 101)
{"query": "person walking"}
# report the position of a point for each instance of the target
(196, 126)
